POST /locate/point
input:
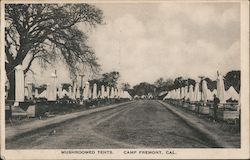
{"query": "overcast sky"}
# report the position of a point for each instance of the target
(148, 41)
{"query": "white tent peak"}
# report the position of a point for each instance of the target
(232, 93)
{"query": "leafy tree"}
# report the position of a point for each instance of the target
(211, 85)
(190, 81)
(179, 82)
(144, 88)
(98, 82)
(169, 84)
(163, 85)
(132, 92)
(45, 32)
(110, 78)
(232, 78)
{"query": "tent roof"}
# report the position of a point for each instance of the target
(231, 93)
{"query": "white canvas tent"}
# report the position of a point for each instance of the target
(94, 95)
(175, 94)
(119, 92)
(143, 96)
(204, 91)
(70, 92)
(191, 93)
(125, 94)
(102, 92)
(86, 91)
(116, 93)
(232, 93)
(210, 94)
(178, 93)
(136, 96)
(220, 88)
(36, 92)
(186, 96)
(19, 84)
(26, 92)
(98, 93)
(112, 93)
(197, 93)
(51, 88)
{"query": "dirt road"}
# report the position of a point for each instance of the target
(141, 124)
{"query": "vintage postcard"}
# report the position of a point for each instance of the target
(124, 79)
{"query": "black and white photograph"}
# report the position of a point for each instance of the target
(133, 79)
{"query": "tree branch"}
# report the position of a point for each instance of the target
(29, 64)
(36, 24)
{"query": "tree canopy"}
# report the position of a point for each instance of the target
(111, 78)
(143, 88)
(163, 85)
(232, 78)
(108, 79)
(46, 32)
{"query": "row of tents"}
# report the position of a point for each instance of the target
(54, 90)
(88, 93)
(194, 94)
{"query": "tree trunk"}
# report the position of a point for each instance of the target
(10, 71)
(11, 92)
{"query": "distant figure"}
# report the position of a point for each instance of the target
(215, 105)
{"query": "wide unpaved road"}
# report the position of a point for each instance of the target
(141, 124)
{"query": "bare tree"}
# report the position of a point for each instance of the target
(46, 32)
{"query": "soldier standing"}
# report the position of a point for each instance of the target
(215, 106)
